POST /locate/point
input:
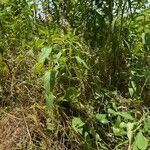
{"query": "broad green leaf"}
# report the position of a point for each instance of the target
(118, 121)
(126, 115)
(52, 80)
(132, 88)
(119, 131)
(102, 118)
(130, 131)
(78, 124)
(134, 147)
(123, 125)
(45, 52)
(47, 78)
(147, 124)
(141, 141)
(50, 102)
(111, 111)
(49, 81)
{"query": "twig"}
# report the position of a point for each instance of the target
(27, 127)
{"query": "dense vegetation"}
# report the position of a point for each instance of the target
(74, 74)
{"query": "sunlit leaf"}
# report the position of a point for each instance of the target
(50, 102)
(134, 147)
(147, 124)
(45, 52)
(47, 78)
(49, 81)
(130, 131)
(118, 121)
(111, 111)
(126, 115)
(102, 118)
(118, 131)
(38, 67)
(141, 141)
(77, 124)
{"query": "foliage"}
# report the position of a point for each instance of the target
(91, 68)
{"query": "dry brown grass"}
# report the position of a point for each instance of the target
(25, 128)
(22, 114)
(20, 84)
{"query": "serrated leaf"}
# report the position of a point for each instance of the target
(141, 141)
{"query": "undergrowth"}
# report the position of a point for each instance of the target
(67, 84)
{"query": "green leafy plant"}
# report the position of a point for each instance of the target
(87, 63)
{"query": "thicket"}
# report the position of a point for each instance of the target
(75, 74)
